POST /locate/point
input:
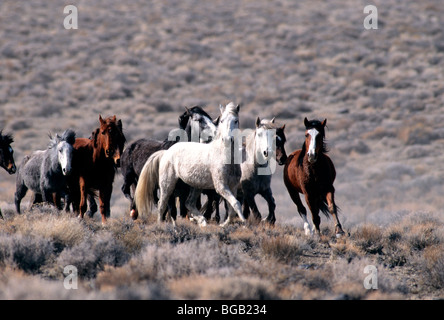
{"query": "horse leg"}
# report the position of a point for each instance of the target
(92, 205)
(314, 208)
(35, 198)
(104, 202)
(128, 181)
(302, 211)
(83, 204)
(191, 206)
(19, 195)
(167, 185)
(56, 200)
(235, 205)
(216, 200)
(268, 196)
(172, 207)
(249, 201)
(334, 212)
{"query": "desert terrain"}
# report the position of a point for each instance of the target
(381, 90)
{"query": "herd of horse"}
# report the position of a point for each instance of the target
(202, 155)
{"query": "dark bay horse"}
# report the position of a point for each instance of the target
(311, 172)
(197, 125)
(94, 165)
(6, 155)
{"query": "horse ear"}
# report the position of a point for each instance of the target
(114, 118)
(222, 108)
(323, 123)
(306, 123)
(272, 120)
(283, 127)
(258, 122)
(238, 108)
(188, 111)
(216, 121)
(119, 125)
(101, 120)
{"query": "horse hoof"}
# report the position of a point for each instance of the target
(340, 234)
(201, 221)
(134, 214)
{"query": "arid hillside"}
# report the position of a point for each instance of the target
(382, 92)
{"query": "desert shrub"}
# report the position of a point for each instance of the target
(226, 288)
(369, 238)
(92, 255)
(25, 252)
(63, 231)
(432, 264)
(168, 261)
(285, 249)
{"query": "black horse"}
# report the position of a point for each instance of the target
(7, 155)
(197, 125)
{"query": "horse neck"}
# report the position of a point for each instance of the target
(53, 156)
(98, 151)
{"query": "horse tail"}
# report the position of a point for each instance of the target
(148, 182)
(325, 210)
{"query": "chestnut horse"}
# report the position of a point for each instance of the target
(94, 165)
(311, 172)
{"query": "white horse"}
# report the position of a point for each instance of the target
(266, 141)
(202, 166)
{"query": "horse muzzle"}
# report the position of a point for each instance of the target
(116, 159)
(282, 159)
(11, 169)
(66, 171)
(312, 157)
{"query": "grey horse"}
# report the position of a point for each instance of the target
(44, 171)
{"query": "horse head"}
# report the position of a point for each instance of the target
(281, 155)
(198, 125)
(229, 120)
(110, 138)
(6, 153)
(63, 146)
(314, 138)
(265, 142)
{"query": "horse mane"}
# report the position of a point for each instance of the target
(68, 135)
(183, 119)
(6, 139)
(232, 108)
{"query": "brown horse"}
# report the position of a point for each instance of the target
(311, 172)
(94, 165)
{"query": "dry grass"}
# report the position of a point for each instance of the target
(147, 260)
